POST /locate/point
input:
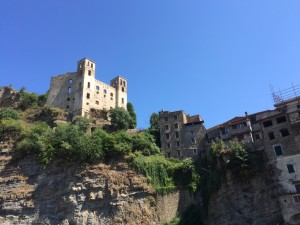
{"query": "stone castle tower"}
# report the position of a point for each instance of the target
(78, 92)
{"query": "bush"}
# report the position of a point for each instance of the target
(132, 114)
(120, 119)
(145, 143)
(30, 99)
(10, 127)
(8, 113)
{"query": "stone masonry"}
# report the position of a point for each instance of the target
(78, 92)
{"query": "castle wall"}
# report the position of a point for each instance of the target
(79, 92)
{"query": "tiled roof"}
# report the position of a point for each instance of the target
(194, 119)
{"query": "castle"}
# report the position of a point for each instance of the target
(78, 92)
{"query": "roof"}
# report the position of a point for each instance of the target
(193, 119)
(234, 120)
(87, 59)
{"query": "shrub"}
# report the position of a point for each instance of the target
(120, 119)
(8, 113)
(132, 114)
(10, 127)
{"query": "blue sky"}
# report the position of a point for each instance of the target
(213, 58)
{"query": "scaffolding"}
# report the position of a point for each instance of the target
(286, 94)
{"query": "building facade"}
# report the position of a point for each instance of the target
(181, 135)
(78, 92)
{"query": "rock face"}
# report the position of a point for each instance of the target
(65, 193)
(247, 197)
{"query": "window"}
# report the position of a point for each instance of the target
(166, 118)
(70, 81)
(92, 65)
(79, 84)
(90, 73)
(284, 132)
(167, 127)
(168, 145)
(104, 91)
(240, 125)
(124, 83)
(88, 95)
(298, 106)
(97, 102)
(167, 136)
(268, 123)
(104, 96)
(278, 150)
(193, 140)
(89, 85)
(122, 100)
(178, 153)
(97, 88)
(121, 82)
(68, 99)
(176, 125)
(290, 168)
(177, 143)
(281, 119)
(257, 137)
(111, 95)
(123, 89)
(271, 135)
(169, 154)
(67, 106)
(177, 134)
(192, 132)
(195, 151)
(296, 199)
(297, 186)
(69, 90)
(175, 117)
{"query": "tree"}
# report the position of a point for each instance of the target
(120, 119)
(154, 122)
(132, 114)
(8, 113)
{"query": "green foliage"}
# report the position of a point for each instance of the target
(10, 128)
(132, 114)
(120, 119)
(82, 122)
(145, 143)
(165, 175)
(154, 121)
(8, 113)
(175, 221)
(30, 99)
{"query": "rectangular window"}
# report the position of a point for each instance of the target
(68, 99)
(88, 84)
(166, 119)
(104, 91)
(178, 153)
(166, 127)
(271, 136)
(296, 199)
(297, 186)
(193, 140)
(97, 88)
(167, 136)
(195, 151)
(268, 123)
(175, 117)
(168, 145)
(278, 150)
(281, 119)
(122, 100)
(290, 168)
(88, 95)
(177, 143)
(284, 132)
(90, 73)
(176, 126)
(97, 102)
(111, 95)
(177, 134)
(257, 137)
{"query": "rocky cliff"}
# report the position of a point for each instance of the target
(66, 193)
(247, 197)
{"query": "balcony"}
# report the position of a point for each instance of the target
(295, 119)
(240, 130)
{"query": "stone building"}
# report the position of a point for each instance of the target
(78, 92)
(181, 135)
(277, 133)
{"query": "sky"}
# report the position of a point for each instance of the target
(213, 58)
